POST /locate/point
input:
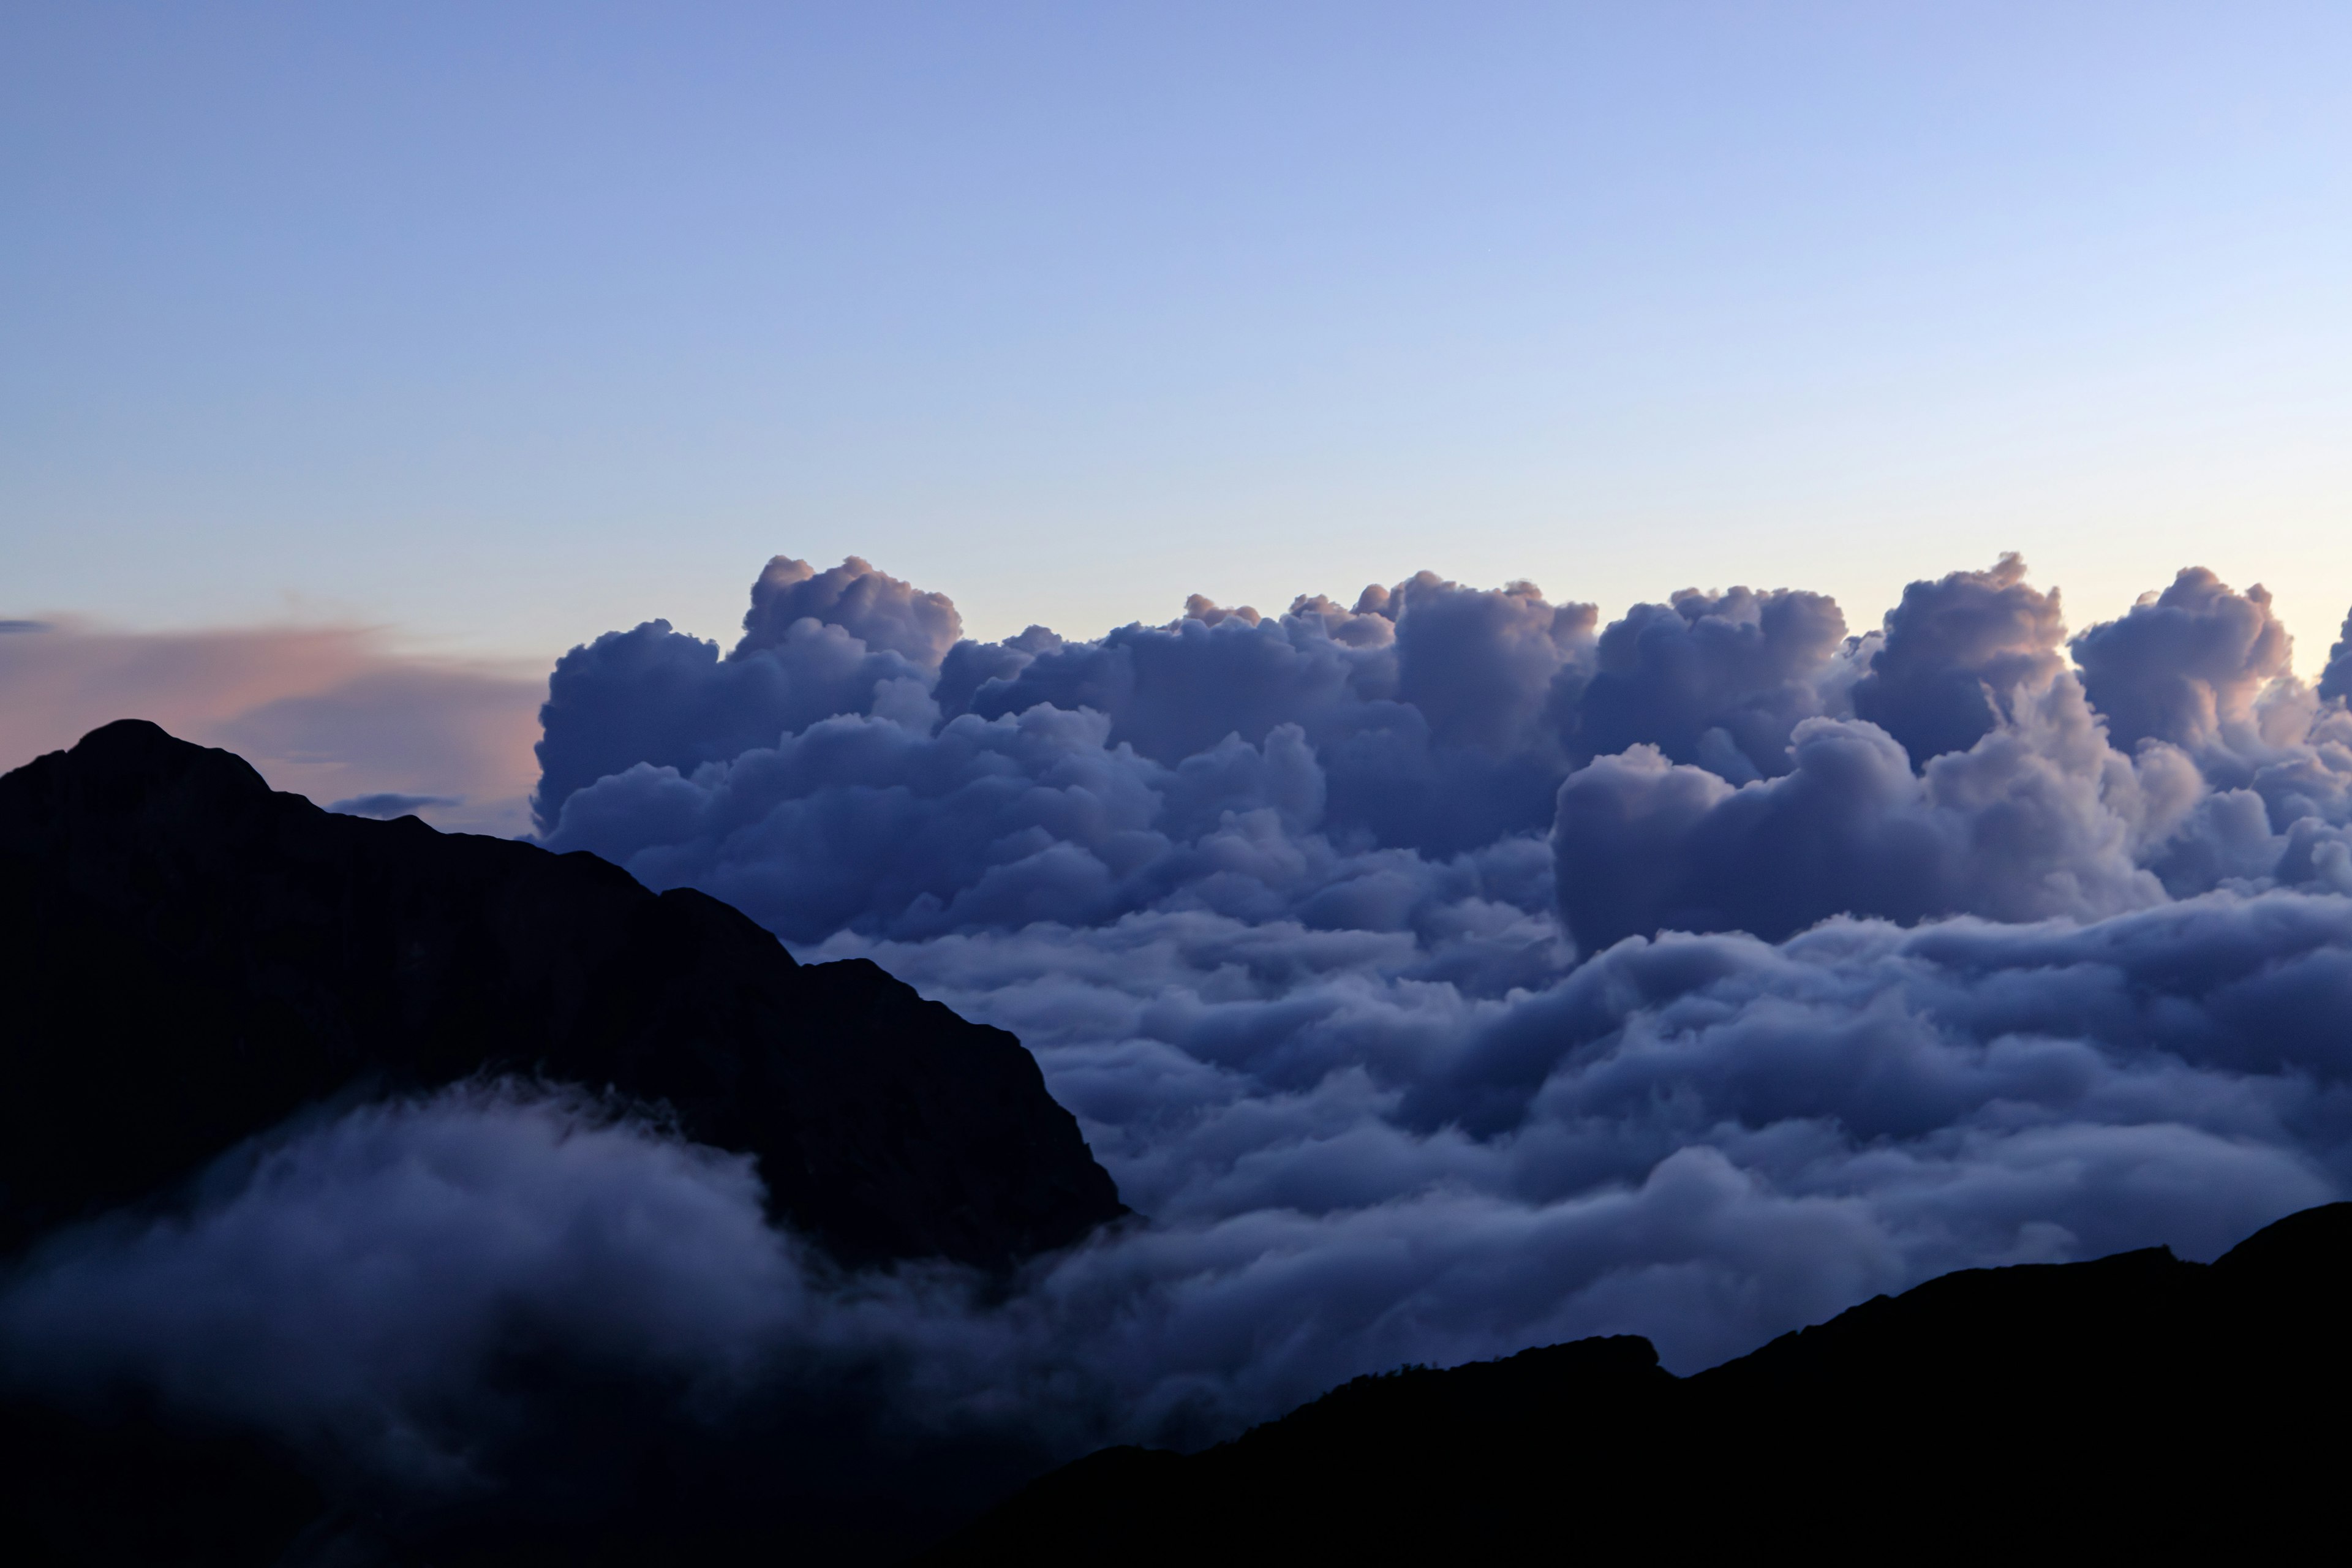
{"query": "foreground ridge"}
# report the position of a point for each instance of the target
(191, 958)
(2137, 1399)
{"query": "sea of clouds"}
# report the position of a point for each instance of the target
(1439, 973)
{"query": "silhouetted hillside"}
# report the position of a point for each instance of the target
(189, 958)
(2138, 1401)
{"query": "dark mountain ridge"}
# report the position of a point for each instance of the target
(2137, 1401)
(191, 957)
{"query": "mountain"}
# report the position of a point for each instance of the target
(189, 958)
(2138, 1403)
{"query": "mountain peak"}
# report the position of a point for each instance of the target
(193, 957)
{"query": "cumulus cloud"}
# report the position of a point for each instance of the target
(872, 606)
(2038, 817)
(332, 712)
(1727, 761)
(2335, 681)
(2185, 665)
(1440, 971)
(1452, 895)
(815, 645)
(1717, 679)
(1957, 651)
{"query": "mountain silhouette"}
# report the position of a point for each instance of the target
(2137, 1403)
(190, 958)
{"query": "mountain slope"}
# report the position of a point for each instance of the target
(190, 958)
(2138, 1401)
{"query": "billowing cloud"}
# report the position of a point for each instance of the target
(875, 607)
(2186, 665)
(1439, 974)
(2335, 681)
(1957, 650)
(1717, 679)
(815, 645)
(1726, 762)
(1298, 909)
(2039, 816)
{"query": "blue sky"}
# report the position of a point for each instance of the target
(500, 326)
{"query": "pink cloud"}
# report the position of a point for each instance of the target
(331, 713)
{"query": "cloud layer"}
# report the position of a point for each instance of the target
(1731, 761)
(1992, 943)
(1440, 973)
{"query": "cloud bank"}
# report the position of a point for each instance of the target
(1992, 942)
(1440, 973)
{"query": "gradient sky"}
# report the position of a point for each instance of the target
(503, 325)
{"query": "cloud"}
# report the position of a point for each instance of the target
(1331, 913)
(332, 712)
(2039, 816)
(2186, 665)
(875, 607)
(2335, 681)
(1441, 975)
(1704, 1139)
(655, 696)
(352, 1285)
(391, 805)
(1311, 766)
(1720, 681)
(1955, 651)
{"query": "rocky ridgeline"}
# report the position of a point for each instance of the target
(2135, 1405)
(190, 958)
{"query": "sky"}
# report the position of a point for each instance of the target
(1439, 972)
(487, 330)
